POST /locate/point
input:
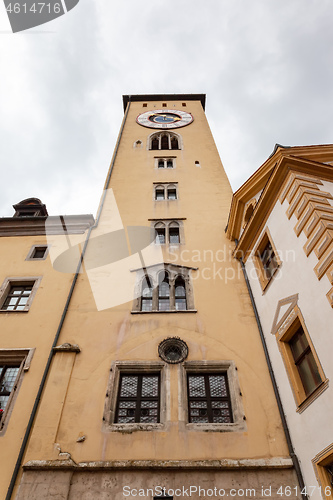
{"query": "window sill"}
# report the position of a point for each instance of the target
(11, 312)
(129, 428)
(232, 427)
(165, 312)
(313, 396)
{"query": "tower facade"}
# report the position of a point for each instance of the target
(158, 382)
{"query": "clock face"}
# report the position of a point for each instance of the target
(164, 118)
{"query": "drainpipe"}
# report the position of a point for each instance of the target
(62, 319)
(292, 454)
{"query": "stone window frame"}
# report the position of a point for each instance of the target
(165, 159)
(111, 398)
(257, 261)
(22, 357)
(138, 144)
(320, 462)
(165, 186)
(159, 135)
(32, 250)
(213, 366)
(284, 334)
(167, 224)
(152, 272)
(19, 281)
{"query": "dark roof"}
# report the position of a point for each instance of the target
(165, 97)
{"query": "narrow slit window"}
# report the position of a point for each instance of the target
(147, 295)
(164, 293)
(180, 294)
(165, 142)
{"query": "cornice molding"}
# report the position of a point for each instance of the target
(269, 197)
(315, 155)
(30, 226)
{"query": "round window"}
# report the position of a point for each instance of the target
(173, 350)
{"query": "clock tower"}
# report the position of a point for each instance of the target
(158, 386)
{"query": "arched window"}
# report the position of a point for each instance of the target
(147, 294)
(160, 233)
(174, 143)
(172, 192)
(163, 292)
(180, 294)
(174, 233)
(159, 193)
(154, 143)
(167, 288)
(165, 142)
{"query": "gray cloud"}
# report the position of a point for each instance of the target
(266, 68)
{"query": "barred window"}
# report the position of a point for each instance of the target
(209, 398)
(8, 376)
(138, 398)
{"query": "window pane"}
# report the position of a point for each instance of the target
(159, 194)
(160, 163)
(309, 373)
(129, 386)
(39, 252)
(160, 236)
(174, 235)
(209, 399)
(169, 164)
(138, 399)
(172, 194)
(165, 142)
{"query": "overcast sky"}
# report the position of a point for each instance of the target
(266, 67)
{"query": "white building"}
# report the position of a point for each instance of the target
(282, 221)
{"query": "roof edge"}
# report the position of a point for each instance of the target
(164, 97)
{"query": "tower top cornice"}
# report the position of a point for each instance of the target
(164, 97)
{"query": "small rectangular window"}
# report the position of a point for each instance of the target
(38, 252)
(266, 259)
(144, 105)
(169, 164)
(17, 298)
(16, 294)
(209, 398)
(138, 398)
(164, 105)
